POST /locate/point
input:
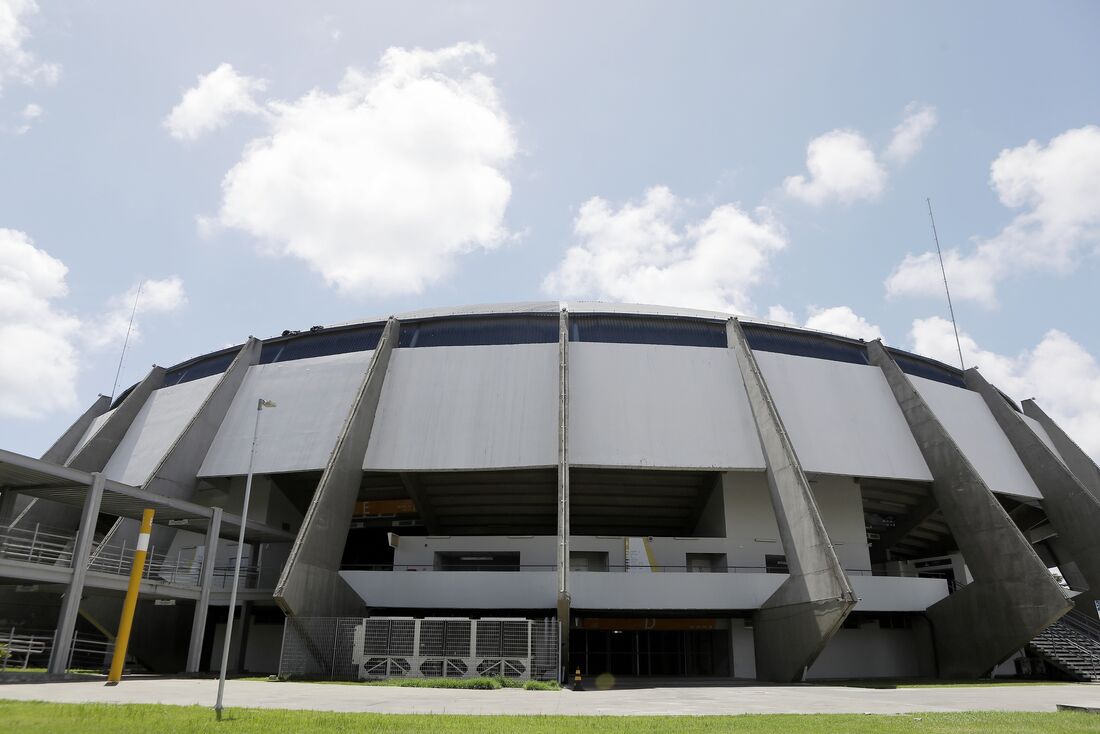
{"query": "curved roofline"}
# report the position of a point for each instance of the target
(577, 307)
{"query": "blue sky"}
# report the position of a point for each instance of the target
(343, 160)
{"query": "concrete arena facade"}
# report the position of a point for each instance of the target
(690, 494)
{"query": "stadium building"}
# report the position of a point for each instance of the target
(654, 491)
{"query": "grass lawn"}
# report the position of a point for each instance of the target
(35, 718)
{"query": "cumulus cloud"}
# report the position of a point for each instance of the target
(379, 185)
(646, 252)
(17, 64)
(212, 102)
(841, 165)
(835, 320)
(910, 133)
(1055, 185)
(151, 297)
(1062, 376)
(38, 364)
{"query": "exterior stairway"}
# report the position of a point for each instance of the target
(1072, 645)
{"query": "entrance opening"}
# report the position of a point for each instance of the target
(650, 652)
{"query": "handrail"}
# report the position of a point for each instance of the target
(513, 568)
(1083, 623)
(1063, 638)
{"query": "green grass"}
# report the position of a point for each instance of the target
(47, 718)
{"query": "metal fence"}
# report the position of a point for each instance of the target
(28, 648)
(354, 648)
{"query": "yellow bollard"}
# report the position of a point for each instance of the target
(577, 680)
(126, 621)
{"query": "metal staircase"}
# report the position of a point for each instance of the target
(1072, 645)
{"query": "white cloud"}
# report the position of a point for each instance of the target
(16, 63)
(842, 166)
(840, 320)
(379, 185)
(844, 321)
(1056, 185)
(644, 252)
(1058, 372)
(156, 296)
(212, 102)
(910, 133)
(38, 362)
(29, 114)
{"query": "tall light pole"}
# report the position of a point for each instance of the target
(260, 405)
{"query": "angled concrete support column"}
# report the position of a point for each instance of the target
(1080, 463)
(793, 626)
(198, 623)
(1013, 597)
(95, 454)
(175, 474)
(310, 584)
(1071, 508)
(63, 447)
(564, 601)
(70, 605)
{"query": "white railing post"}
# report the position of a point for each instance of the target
(34, 539)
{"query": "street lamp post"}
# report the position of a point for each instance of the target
(260, 405)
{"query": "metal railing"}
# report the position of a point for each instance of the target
(429, 567)
(31, 648)
(53, 547)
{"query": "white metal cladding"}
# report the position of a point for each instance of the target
(478, 407)
(967, 419)
(312, 396)
(842, 418)
(158, 424)
(1037, 427)
(92, 429)
(646, 405)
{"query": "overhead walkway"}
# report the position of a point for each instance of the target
(74, 562)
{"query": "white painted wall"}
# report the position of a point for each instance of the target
(455, 589)
(966, 418)
(158, 424)
(643, 405)
(870, 652)
(673, 591)
(842, 418)
(897, 594)
(91, 430)
(313, 397)
(750, 520)
(480, 407)
(841, 508)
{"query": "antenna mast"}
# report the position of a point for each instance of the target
(125, 342)
(943, 270)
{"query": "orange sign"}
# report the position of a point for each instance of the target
(653, 623)
(384, 507)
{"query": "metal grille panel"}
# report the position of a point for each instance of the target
(353, 648)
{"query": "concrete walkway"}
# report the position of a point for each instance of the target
(742, 699)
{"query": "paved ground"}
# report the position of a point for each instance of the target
(741, 699)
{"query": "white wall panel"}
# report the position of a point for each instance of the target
(643, 405)
(1041, 433)
(842, 418)
(158, 424)
(312, 396)
(476, 407)
(93, 429)
(455, 589)
(965, 416)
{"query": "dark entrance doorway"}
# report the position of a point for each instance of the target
(650, 652)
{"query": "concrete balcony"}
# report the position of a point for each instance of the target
(427, 589)
(424, 588)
